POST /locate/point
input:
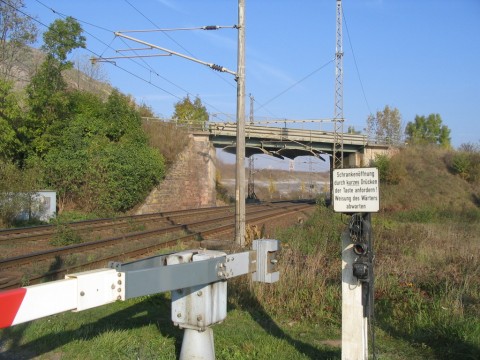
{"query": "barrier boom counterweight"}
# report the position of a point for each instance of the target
(197, 279)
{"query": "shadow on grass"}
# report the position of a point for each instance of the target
(446, 342)
(154, 309)
(262, 318)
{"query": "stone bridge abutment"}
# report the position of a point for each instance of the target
(189, 183)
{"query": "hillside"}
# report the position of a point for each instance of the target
(425, 183)
(84, 75)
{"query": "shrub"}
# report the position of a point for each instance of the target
(167, 138)
(461, 165)
(390, 170)
(64, 235)
(465, 163)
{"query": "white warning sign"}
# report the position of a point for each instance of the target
(356, 190)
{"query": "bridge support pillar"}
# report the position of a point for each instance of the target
(352, 160)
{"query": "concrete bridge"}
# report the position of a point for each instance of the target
(290, 143)
(190, 183)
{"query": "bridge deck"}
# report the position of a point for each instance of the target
(284, 141)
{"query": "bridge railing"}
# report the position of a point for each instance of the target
(271, 132)
(265, 132)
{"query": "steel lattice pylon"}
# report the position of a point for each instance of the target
(338, 111)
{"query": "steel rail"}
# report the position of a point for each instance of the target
(51, 253)
(265, 215)
(43, 231)
(93, 223)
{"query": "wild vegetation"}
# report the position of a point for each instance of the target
(95, 151)
(427, 292)
(92, 150)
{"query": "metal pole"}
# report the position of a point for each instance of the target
(240, 156)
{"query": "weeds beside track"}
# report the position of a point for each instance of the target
(166, 230)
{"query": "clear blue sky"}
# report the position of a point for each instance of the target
(420, 56)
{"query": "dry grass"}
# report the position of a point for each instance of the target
(427, 265)
(426, 183)
(167, 138)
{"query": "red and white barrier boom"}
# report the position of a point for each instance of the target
(197, 279)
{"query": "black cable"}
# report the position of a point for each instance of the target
(172, 39)
(182, 47)
(148, 67)
(296, 83)
(188, 52)
(356, 66)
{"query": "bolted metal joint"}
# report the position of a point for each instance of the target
(267, 263)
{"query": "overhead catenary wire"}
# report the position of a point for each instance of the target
(148, 67)
(108, 46)
(207, 27)
(91, 51)
(211, 27)
(262, 106)
(356, 65)
(172, 39)
(296, 83)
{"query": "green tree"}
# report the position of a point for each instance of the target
(121, 118)
(102, 162)
(62, 37)
(465, 162)
(390, 171)
(67, 163)
(386, 125)
(124, 174)
(145, 110)
(10, 118)
(48, 107)
(351, 130)
(17, 186)
(190, 113)
(47, 97)
(16, 31)
(428, 130)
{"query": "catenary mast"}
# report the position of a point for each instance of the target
(337, 159)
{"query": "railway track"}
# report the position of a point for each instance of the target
(161, 230)
(47, 231)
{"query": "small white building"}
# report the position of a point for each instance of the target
(43, 206)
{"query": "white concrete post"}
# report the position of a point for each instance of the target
(196, 308)
(354, 324)
(197, 345)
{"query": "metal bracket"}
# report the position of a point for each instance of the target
(267, 270)
(197, 307)
(240, 264)
(153, 275)
(98, 287)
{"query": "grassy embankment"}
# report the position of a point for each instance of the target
(427, 288)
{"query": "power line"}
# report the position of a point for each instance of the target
(296, 83)
(356, 66)
(108, 46)
(87, 49)
(64, 16)
(182, 47)
(172, 39)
